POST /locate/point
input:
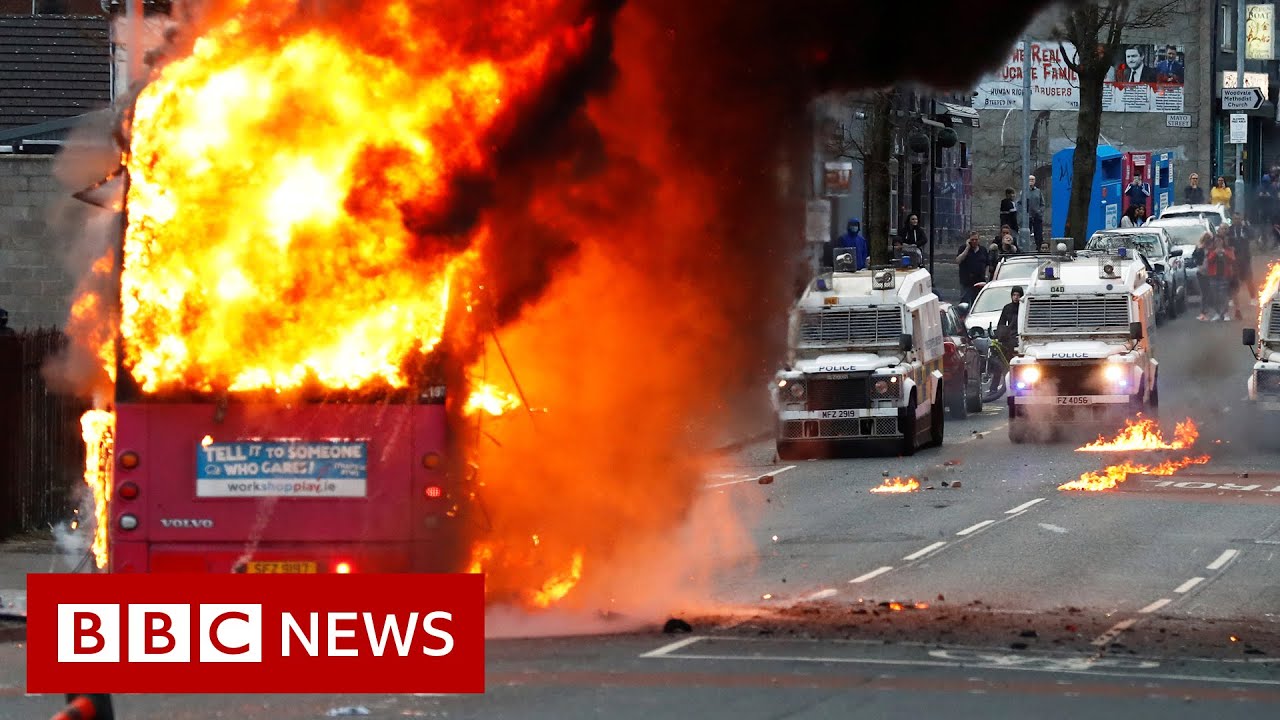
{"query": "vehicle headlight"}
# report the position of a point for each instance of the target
(1028, 375)
(886, 387)
(795, 389)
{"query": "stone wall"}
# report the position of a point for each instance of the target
(35, 281)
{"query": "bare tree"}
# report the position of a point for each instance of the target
(1101, 25)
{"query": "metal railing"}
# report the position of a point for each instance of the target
(41, 452)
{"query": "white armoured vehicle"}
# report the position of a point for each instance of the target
(864, 363)
(1085, 342)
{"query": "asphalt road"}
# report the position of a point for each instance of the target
(1160, 598)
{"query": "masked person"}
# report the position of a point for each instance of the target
(852, 239)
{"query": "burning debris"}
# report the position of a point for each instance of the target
(1140, 435)
(98, 431)
(1113, 475)
(897, 485)
(1143, 434)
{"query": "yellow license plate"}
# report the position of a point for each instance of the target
(281, 567)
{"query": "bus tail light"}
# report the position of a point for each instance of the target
(431, 460)
(434, 492)
(128, 522)
(128, 491)
(129, 460)
(342, 568)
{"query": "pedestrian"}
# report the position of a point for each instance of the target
(1138, 192)
(853, 239)
(1221, 194)
(1135, 216)
(1004, 245)
(974, 262)
(1007, 326)
(1198, 257)
(914, 236)
(1009, 210)
(1193, 194)
(1220, 265)
(5, 330)
(1033, 203)
(1240, 237)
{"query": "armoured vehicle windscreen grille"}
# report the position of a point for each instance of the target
(839, 394)
(861, 327)
(1273, 327)
(1108, 312)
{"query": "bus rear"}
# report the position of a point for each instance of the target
(277, 488)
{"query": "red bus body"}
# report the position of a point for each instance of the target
(402, 521)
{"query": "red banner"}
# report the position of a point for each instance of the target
(322, 633)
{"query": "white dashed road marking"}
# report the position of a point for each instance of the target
(1155, 606)
(925, 551)
(1023, 506)
(672, 647)
(756, 478)
(1114, 632)
(1184, 587)
(820, 595)
(976, 528)
(874, 573)
(1223, 559)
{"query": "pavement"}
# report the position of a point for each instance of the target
(987, 593)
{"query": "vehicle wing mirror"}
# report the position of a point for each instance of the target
(962, 309)
(1249, 336)
(1176, 252)
(1158, 267)
(982, 344)
(977, 332)
(904, 342)
(1135, 330)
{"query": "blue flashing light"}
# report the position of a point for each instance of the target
(1021, 385)
(906, 261)
(1048, 273)
(1122, 252)
(822, 285)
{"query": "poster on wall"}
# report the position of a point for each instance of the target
(838, 178)
(1259, 41)
(1147, 78)
(1144, 78)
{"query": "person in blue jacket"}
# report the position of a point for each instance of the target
(853, 238)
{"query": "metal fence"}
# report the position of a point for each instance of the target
(41, 452)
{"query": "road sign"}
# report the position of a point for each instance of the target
(1250, 98)
(1177, 121)
(1239, 129)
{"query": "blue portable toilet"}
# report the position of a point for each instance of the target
(1108, 176)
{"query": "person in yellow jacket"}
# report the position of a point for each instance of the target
(1221, 194)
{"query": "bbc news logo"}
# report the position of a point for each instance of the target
(295, 633)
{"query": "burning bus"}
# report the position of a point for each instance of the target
(297, 303)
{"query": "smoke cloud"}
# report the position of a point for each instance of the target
(639, 223)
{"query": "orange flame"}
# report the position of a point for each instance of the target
(1267, 291)
(1144, 434)
(1113, 475)
(491, 400)
(284, 232)
(897, 485)
(559, 585)
(97, 427)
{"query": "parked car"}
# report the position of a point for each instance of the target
(1215, 214)
(1167, 272)
(961, 369)
(991, 299)
(1185, 233)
